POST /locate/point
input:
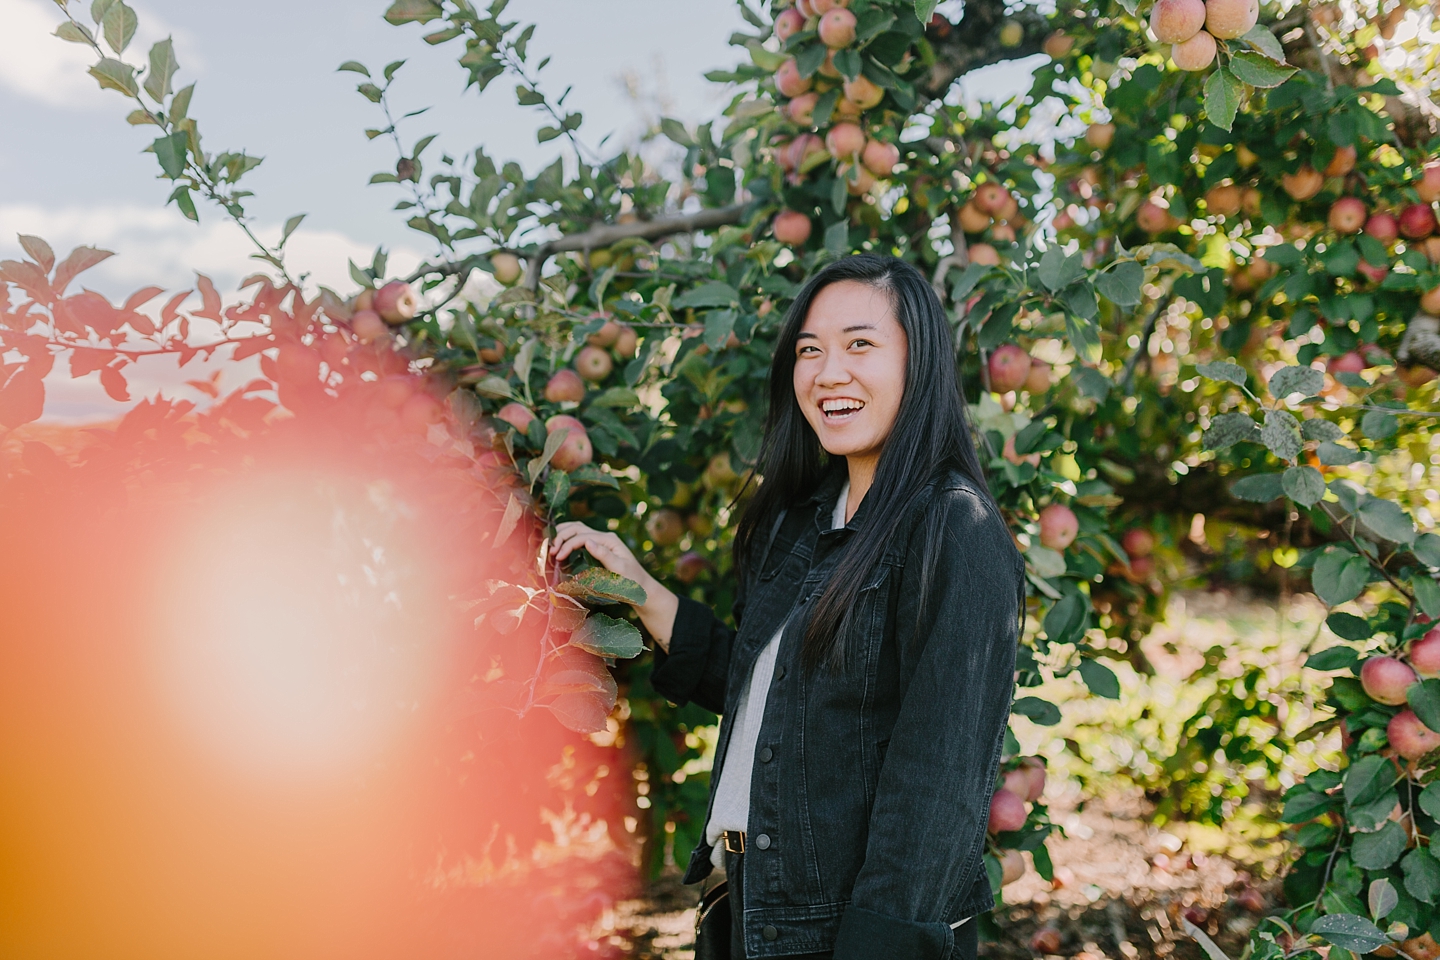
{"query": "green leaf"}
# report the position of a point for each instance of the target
(114, 75)
(1332, 658)
(967, 281)
(1427, 549)
(1304, 485)
(925, 9)
(1317, 429)
(837, 235)
(75, 32)
(1379, 425)
(162, 70)
(676, 131)
(170, 151)
(390, 69)
(1222, 98)
(1388, 519)
(1065, 620)
(1349, 932)
(719, 324)
(354, 66)
(1381, 897)
(1347, 626)
(608, 637)
(185, 202)
(1367, 778)
(1424, 698)
(1100, 679)
(1259, 70)
(180, 104)
(1335, 455)
(1290, 380)
(1422, 875)
(1058, 270)
(119, 26)
(1339, 576)
(601, 586)
(413, 11)
(1230, 428)
(1427, 594)
(1281, 433)
(1265, 42)
(98, 8)
(1040, 711)
(1259, 488)
(1374, 851)
(714, 293)
(1222, 370)
(553, 440)
(811, 58)
(1430, 799)
(1304, 805)
(557, 487)
(1080, 298)
(370, 92)
(1121, 284)
(290, 226)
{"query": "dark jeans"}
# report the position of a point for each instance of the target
(965, 942)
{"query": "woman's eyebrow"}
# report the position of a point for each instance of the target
(806, 335)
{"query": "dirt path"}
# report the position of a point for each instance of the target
(1120, 888)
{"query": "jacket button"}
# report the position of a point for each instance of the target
(769, 932)
(766, 754)
(762, 842)
(780, 672)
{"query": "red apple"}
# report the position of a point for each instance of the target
(1009, 453)
(1138, 542)
(972, 218)
(368, 325)
(517, 415)
(506, 268)
(1195, 54)
(1045, 941)
(627, 342)
(1223, 200)
(788, 80)
(396, 302)
(1417, 221)
(1304, 183)
(1009, 367)
(1425, 654)
(802, 109)
(1428, 186)
(1371, 272)
(1347, 215)
(983, 253)
(1153, 218)
(1100, 135)
(837, 28)
(791, 227)
(991, 197)
(606, 336)
(1350, 361)
(575, 450)
(1342, 163)
(1058, 526)
(862, 92)
(1175, 21)
(689, 566)
(1058, 45)
(789, 23)
(1430, 301)
(1229, 19)
(1012, 867)
(880, 157)
(1383, 227)
(565, 387)
(1007, 812)
(665, 527)
(1038, 379)
(1411, 738)
(845, 140)
(594, 363)
(1386, 679)
(1035, 768)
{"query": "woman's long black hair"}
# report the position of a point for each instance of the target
(931, 435)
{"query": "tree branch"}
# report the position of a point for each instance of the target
(974, 42)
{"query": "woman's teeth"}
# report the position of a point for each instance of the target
(836, 411)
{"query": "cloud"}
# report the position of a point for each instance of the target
(36, 64)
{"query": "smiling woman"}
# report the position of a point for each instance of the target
(867, 686)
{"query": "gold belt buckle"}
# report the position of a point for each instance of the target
(734, 841)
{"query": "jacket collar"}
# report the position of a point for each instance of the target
(823, 499)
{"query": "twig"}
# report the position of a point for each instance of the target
(1127, 375)
(1314, 38)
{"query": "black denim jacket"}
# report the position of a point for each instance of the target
(871, 788)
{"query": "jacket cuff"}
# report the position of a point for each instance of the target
(867, 935)
(678, 673)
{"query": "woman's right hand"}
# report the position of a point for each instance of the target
(658, 611)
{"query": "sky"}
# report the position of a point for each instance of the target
(71, 169)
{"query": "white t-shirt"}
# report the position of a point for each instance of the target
(731, 810)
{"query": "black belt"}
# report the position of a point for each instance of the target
(734, 841)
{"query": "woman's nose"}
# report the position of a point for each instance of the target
(834, 370)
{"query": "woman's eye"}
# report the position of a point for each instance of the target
(861, 343)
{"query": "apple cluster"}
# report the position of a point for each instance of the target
(1192, 27)
(1388, 680)
(1024, 783)
(861, 161)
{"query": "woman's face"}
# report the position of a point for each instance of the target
(850, 368)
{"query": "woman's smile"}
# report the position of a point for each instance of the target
(840, 410)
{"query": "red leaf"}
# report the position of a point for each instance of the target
(254, 386)
(207, 387)
(86, 361)
(142, 296)
(251, 346)
(211, 309)
(581, 712)
(23, 399)
(114, 383)
(172, 307)
(86, 310)
(80, 260)
(269, 367)
(27, 277)
(39, 251)
(140, 323)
